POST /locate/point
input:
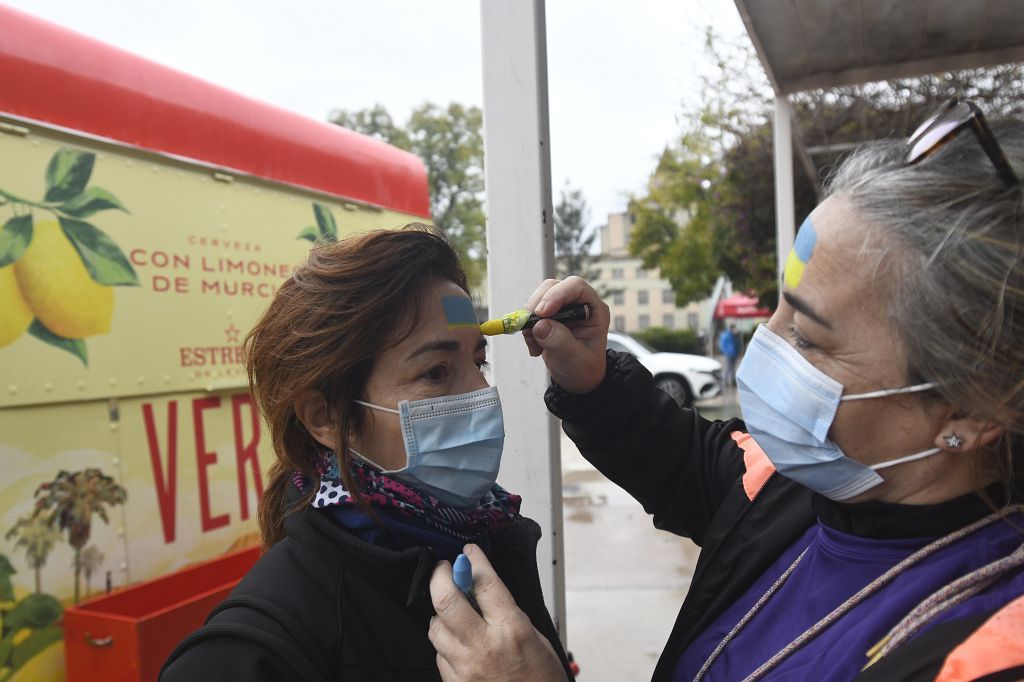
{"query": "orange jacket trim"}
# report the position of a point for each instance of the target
(758, 466)
(996, 645)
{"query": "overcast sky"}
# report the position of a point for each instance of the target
(619, 71)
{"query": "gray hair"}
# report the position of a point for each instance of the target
(952, 234)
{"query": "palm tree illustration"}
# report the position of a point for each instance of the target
(37, 537)
(71, 499)
(89, 560)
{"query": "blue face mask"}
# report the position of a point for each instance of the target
(453, 445)
(788, 405)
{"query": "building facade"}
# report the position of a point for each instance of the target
(638, 297)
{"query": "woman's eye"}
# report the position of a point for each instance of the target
(799, 341)
(482, 365)
(436, 373)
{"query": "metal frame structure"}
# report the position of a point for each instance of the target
(811, 44)
(520, 242)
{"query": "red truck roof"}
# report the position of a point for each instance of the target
(54, 75)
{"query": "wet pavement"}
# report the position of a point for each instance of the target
(624, 579)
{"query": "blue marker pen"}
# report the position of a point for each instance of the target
(462, 576)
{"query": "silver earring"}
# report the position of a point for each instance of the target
(953, 441)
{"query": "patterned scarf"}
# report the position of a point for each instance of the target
(388, 494)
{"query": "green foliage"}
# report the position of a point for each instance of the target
(573, 238)
(36, 614)
(15, 238)
(92, 200)
(36, 536)
(6, 586)
(34, 611)
(670, 340)
(69, 200)
(76, 347)
(69, 502)
(326, 229)
(450, 143)
(67, 173)
(101, 256)
(709, 208)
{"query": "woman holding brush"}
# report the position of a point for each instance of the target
(863, 521)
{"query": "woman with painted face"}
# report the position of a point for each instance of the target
(368, 367)
(863, 520)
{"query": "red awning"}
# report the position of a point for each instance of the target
(740, 305)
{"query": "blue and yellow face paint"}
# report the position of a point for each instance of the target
(459, 313)
(800, 255)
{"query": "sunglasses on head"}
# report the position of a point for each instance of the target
(945, 124)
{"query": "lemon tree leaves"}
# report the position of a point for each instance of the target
(325, 221)
(309, 233)
(90, 201)
(326, 230)
(14, 238)
(74, 346)
(102, 258)
(70, 200)
(67, 173)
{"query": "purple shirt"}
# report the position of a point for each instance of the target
(835, 567)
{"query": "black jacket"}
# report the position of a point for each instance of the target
(688, 473)
(323, 605)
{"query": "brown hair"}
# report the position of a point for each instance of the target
(348, 302)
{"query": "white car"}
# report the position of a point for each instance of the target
(684, 377)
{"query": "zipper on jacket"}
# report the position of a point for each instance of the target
(423, 565)
(732, 527)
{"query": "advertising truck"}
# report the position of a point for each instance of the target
(146, 219)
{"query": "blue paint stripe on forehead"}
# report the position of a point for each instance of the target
(459, 311)
(806, 238)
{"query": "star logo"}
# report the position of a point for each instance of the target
(232, 333)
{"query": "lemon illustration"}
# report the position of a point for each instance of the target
(16, 315)
(58, 288)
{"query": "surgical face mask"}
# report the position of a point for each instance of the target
(789, 405)
(453, 444)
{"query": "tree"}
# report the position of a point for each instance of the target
(87, 562)
(6, 585)
(35, 534)
(709, 208)
(573, 238)
(71, 499)
(450, 143)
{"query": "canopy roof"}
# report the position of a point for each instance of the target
(740, 305)
(808, 44)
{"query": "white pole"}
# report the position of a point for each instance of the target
(785, 219)
(520, 254)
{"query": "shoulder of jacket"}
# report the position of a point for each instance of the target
(997, 646)
(244, 624)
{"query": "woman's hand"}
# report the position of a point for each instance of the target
(574, 355)
(501, 645)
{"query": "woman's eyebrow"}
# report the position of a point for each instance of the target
(803, 307)
(482, 343)
(445, 345)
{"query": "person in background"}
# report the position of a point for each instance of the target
(863, 521)
(368, 369)
(729, 345)
(702, 342)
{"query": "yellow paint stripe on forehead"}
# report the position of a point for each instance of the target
(800, 255)
(794, 271)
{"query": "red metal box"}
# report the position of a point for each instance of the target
(127, 635)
